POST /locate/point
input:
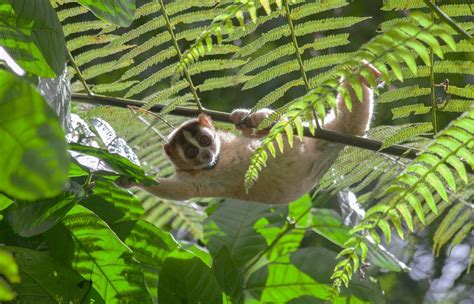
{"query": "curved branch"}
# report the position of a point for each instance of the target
(332, 136)
(442, 15)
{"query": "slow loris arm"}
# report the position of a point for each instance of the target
(356, 121)
(172, 188)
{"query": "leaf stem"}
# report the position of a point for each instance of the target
(329, 135)
(298, 54)
(442, 15)
(434, 105)
(180, 57)
(79, 74)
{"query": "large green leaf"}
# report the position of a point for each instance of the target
(32, 218)
(232, 225)
(120, 164)
(184, 278)
(9, 271)
(280, 234)
(228, 276)
(119, 12)
(46, 280)
(280, 281)
(4, 203)
(150, 246)
(33, 35)
(34, 162)
(253, 231)
(112, 203)
(86, 243)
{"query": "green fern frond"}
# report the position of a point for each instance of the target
(403, 93)
(88, 40)
(383, 47)
(432, 171)
(113, 87)
(456, 105)
(175, 102)
(288, 49)
(88, 56)
(407, 132)
(84, 26)
(308, 9)
(164, 94)
(410, 110)
(276, 94)
(214, 65)
(221, 82)
(458, 221)
(402, 4)
(271, 73)
(150, 81)
(103, 68)
(155, 59)
(467, 91)
(179, 215)
(300, 30)
(72, 12)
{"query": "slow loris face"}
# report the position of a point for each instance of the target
(195, 145)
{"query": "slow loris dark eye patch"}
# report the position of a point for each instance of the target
(190, 151)
(204, 140)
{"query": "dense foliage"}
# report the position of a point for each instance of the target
(69, 234)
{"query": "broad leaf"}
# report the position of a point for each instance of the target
(9, 271)
(34, 163)
(112, 203)
(184, 278)
(120, 164)
(46, 280)
(90, 247)
(248, 229)
(119, 12)
(150, 247)
(228, 276)
(280, 281)
(32, 218)
(33, 36)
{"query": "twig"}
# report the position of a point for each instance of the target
(180, 55)
(434, 105)
(79, 74)
(298, 54)
(332, 136)
(433, 7)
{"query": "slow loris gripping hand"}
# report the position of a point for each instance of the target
(213, 163)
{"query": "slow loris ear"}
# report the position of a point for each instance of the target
(205, 121)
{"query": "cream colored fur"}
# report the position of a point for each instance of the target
(285, 178)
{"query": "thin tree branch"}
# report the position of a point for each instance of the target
(332, 136)
(180, 55)
(298, 55)
(79, 74)
(434, 105)
(433, 7)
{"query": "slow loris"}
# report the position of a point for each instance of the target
(213, 163)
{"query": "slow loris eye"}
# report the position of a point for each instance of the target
(191, 151)
(204, 141)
